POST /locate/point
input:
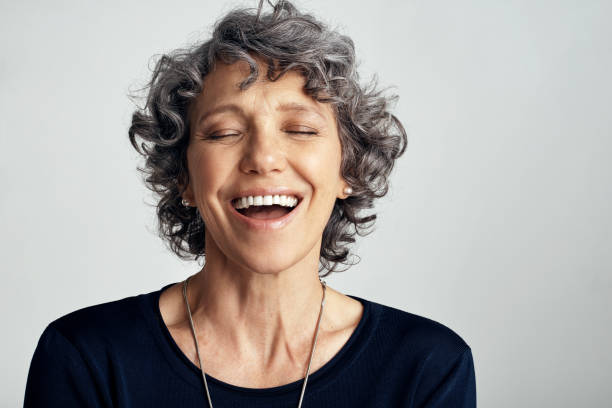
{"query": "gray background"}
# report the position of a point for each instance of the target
(497, 224)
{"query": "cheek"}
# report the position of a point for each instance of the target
(209, 173)
(322, 166)
(208, 170)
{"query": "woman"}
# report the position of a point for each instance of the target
(263, 149)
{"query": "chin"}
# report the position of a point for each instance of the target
(269, 262)
(270, 267)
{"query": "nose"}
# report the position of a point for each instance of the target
(263, 153)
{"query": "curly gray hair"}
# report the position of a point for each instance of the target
(371, 137)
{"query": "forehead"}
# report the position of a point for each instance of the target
(221, 87)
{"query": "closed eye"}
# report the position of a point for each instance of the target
(300, 130)
(217, 136)
(301, 133)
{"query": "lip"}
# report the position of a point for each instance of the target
(271, 224)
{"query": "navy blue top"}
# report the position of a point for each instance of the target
(121, 354)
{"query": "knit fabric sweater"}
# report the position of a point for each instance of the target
(121, 354)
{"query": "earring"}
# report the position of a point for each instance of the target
(348, 190)
(185, 202)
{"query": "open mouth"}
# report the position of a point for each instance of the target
(266, 207)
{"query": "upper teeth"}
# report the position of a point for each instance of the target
(283, 200)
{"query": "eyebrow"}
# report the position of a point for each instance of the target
(298, 107)
(283, 107)
(220, 109)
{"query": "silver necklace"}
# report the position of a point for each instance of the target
(195, 339)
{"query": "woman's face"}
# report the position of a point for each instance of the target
(246, 147)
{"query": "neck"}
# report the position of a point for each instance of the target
(257, 314)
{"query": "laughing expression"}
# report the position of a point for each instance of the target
(264, 168)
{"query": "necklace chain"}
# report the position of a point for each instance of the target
(195, 339)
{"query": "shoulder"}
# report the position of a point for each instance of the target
(420, 336)
(434, 363)
(103, 324)
(78, 355)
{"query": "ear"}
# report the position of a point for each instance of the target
(345, 191)
(188, 196)
(184, 185)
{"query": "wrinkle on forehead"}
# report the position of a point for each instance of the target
(238, 71)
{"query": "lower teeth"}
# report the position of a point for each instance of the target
(265, 212)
